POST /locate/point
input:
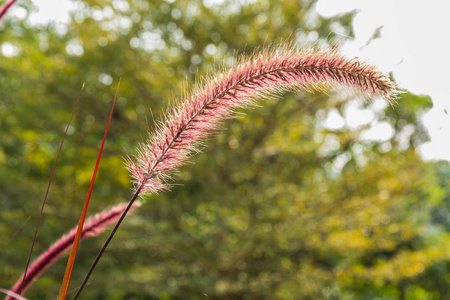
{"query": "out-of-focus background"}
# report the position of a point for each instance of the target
(307, 197)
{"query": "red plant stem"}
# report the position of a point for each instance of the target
(48, 187)
(93, 227)
(73, 251)
(108, 240)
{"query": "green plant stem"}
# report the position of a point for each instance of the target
(111, 235)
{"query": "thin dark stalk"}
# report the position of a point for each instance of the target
(108, 240)
(15, 233)
(48, 189)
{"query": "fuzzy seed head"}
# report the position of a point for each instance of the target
(262, 75)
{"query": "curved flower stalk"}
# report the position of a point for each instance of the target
(93, 226)
(260, 76)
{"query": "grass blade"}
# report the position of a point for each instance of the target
(73, 251)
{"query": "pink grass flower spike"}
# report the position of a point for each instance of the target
(262, 75)
(5, 7)
(93, 226)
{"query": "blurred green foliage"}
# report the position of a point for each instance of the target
(279, 206)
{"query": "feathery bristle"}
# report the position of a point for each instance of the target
(262, 75)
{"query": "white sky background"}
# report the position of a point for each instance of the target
(414, 45)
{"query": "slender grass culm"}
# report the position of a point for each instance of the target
(261, 75)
